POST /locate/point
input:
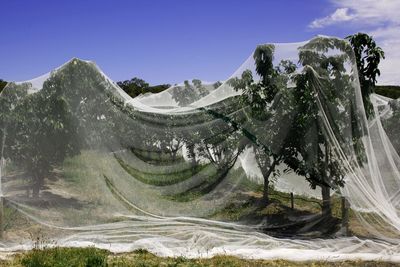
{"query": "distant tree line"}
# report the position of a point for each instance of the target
(137, 86)
(132, 87)
(2, 84)
(391, 91)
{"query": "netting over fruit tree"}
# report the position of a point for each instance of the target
(279, 160)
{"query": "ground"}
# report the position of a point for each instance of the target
(60, 257)
(62, 196)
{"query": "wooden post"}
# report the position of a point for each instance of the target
(291, 200)
(1, 196)
(1, 218)
(345, 216)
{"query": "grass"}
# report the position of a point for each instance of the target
(243, 206)
(60, 257)
(157, 157)
(282, 219)
(87, 257)
(212, 180)
(246, 203)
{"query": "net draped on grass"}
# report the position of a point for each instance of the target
(280, 160)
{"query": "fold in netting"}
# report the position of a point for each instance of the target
(280, 160)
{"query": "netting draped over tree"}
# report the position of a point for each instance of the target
(279, 157)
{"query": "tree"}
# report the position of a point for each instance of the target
(201, 90)
(44, 133)
(137, 86)
(392, 126)
(72, 111)
(188, 93)
(289, 121)
(2, 85)
(217, 84)
(325, 110)
(265, 116)
(222, 149)
(368, 56)
(11, 95)
(134, 86)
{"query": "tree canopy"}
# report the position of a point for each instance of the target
(137, 86)
(368, 56)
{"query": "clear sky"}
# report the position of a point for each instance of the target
(168, 41)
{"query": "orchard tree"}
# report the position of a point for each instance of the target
(368, 56)
(392, 126)
(134, 86)
(184, 95)
(217, 84)
(137, 86)
(72, 111)
(201, 90)
(44, 134)
(9, 97)
(222, 149)
(260, 98)
(325, 111)
(2, 85)
(189, 92)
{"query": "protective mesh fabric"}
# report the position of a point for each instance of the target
(186, 171)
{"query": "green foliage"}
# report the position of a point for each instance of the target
(81, 257)
(303, 144)
(65, 257)
(43, 132)
(259, 97)
(325, 102)
(217, 84)
(137, 86)
(40, 130)
(392, 125)
(189, 92)
(323, 85)
(2, 84)
(368, 56)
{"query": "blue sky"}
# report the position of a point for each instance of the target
(172, 40)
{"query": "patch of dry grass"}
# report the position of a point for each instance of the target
(71, 257)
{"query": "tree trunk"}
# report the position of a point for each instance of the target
(325, 190)
(265, 197)
(266, 175)
(174, 153)
(1, 217)
(37, 185)
(192, 157)
(326, 201)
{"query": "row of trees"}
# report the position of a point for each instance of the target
(291, 125)
(296, 126)
(299, 123)
(137, 86)
(70, 113)
(191, 92)
(2, 84)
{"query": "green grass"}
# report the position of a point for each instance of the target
(60, 257)
(213, 179)
(86, 257)
(247, 207)
(157, 157)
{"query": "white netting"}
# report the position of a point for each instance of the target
(198, 170)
